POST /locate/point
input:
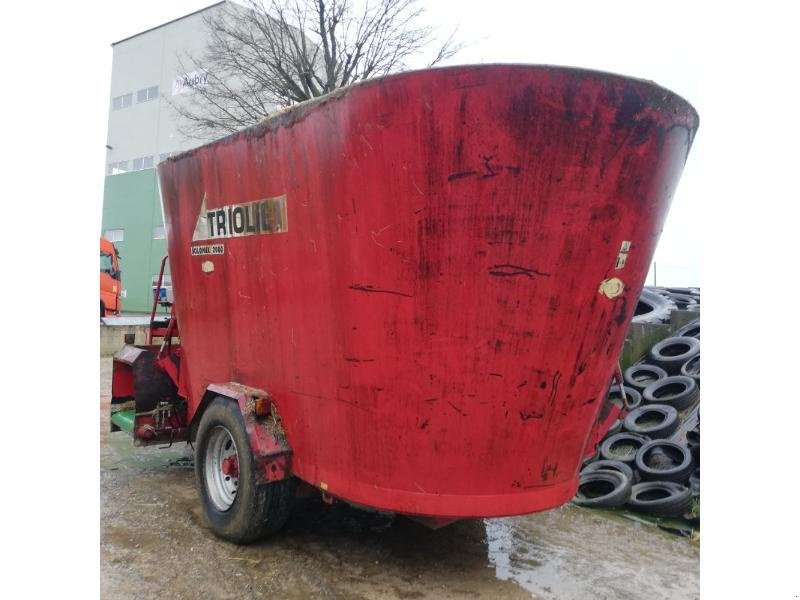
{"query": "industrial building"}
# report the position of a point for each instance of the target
(142, 131)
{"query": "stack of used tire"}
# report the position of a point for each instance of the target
(649, 462)
(657, 303)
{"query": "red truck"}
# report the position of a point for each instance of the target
(408, 295)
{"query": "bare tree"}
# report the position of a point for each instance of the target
(261, 57)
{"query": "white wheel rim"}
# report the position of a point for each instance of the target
(221, 468)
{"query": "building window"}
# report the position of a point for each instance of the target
(159, 233)
(123, 101)
(146, 94)
(115, 168)
(146, 162)
(115, 235)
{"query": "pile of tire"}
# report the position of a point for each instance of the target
(657, 303)
(649, 461)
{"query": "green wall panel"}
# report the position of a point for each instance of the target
(131, 203)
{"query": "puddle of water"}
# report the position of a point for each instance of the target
(574, 553)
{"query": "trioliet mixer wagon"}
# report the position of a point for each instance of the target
(409, 295)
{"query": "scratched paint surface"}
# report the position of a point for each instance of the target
(430, 324)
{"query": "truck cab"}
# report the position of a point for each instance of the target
(110, 279)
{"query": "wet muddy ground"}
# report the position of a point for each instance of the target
(154, 544)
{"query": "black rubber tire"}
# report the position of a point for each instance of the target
(258, 509)
(618, 495)
(684, 301)
(694, 481)
(641, 375)
(658, 290)
(610, 465)
(587, 461)
(102, 310)
(691, 368)
(693, 292)
(693, 441)
(689, 330)
(672, 352)
(633, 396)
(660, 498)
(693, 436)
(616, 427)
(652, 307)
(631, 440)
(677, 391)
(680, 461)
(666, 427)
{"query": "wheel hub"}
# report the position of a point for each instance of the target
(230, 466)
(221, 468)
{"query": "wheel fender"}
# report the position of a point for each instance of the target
(267, 437)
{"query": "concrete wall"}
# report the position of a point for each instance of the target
(112, 337)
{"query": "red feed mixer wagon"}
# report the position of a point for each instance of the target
(409, 295)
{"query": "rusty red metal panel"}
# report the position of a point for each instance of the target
(431, 273)
(122, 387)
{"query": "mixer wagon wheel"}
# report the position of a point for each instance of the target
(238, 508)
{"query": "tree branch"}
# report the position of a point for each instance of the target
(261, 57)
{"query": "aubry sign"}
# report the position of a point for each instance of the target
(187, 82)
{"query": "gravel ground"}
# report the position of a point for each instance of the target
(154, 543)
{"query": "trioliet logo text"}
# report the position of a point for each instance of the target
(258, 217)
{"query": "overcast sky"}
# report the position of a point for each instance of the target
(623, 37)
